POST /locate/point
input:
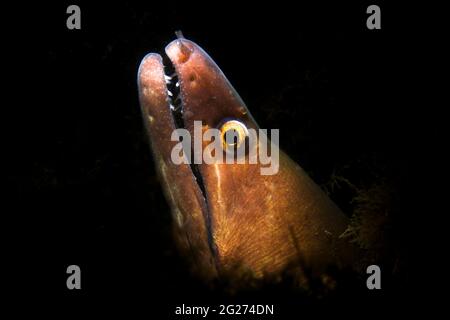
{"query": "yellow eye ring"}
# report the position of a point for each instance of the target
(233, 134)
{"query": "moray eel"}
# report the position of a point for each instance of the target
(229, 216)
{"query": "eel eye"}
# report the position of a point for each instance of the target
(233, 134)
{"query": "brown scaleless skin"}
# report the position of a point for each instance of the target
(261, 223)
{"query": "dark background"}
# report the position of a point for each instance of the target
(81, 181)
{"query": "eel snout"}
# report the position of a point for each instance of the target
(180, 186)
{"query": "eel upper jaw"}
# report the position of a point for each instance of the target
(176, 91)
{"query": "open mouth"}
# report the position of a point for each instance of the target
(162, 94)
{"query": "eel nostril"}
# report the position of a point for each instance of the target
(185, 52)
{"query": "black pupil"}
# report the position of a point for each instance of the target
(232, 133)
